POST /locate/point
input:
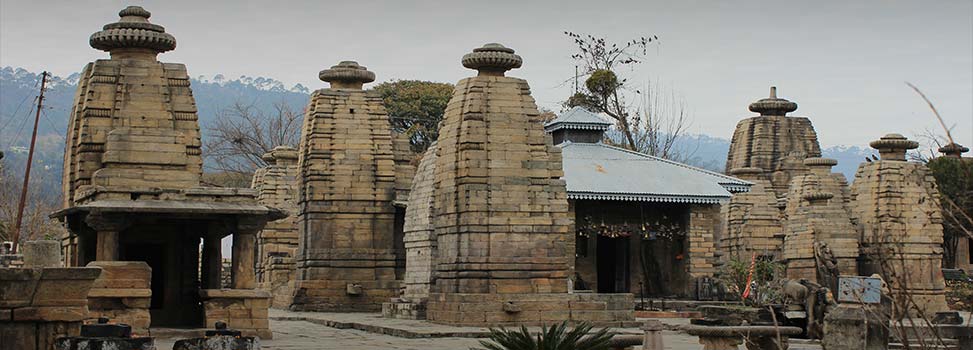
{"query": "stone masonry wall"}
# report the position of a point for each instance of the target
(704, 221)
(752, 220)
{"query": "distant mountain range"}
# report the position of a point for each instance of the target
(18, 88)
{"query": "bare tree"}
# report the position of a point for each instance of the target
(41, 201)
(605, 91)
(243, 132)
(664, 120)
(650, 120)
(954, 179)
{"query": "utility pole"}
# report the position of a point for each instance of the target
(30, 160)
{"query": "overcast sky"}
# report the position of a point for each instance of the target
(843, 62)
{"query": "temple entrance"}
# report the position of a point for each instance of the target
(151, 254)
(613, 264)
(173, 255)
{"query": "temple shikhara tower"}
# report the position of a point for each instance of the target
(132, 192)
(773, 141)
(896, 204)
(819, 230)
(347, 258)
(768, 150)
(500, 212)
(276, 186)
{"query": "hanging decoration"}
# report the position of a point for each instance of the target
(661, 228)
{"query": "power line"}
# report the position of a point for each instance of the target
(21, 129)
(53, 126)
(21, 104)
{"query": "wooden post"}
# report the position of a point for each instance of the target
(30, 160)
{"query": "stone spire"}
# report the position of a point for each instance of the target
(773, 105)
(500, 214)
(347, 179)
(132, 132)
(774, 142)
(897, 208)
(133, 36)
(347, 75)
(953, 150)
(492, 60)
(893, 146)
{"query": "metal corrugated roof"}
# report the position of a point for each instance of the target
(603, 172)
(577, 118)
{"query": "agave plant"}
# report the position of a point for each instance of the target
(557, 337)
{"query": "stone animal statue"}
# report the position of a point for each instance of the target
(827, 265)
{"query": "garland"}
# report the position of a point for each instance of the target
(648, 231)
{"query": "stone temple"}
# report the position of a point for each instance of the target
(506, 220)
(491, 195)
(132, 191)
(350, 182)
(896, 204)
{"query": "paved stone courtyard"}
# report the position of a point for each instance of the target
(301, 335)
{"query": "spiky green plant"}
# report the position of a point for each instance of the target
(557, 337)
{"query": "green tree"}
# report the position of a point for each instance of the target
(954, 178)
(415, 108)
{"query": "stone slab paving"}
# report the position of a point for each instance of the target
(375, 323)
(367, 331)
(300, 335)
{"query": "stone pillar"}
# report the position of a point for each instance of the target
(244, 252)
(212, 262)
(653, 335)
(107, 228)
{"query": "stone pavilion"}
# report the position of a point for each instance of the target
(132, 187)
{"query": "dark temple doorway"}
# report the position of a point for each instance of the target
(613, 265)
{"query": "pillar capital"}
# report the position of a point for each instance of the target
(249, 225)
(107, 222)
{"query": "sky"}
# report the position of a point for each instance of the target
(844, 62)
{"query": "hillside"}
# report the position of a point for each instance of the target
(18, 89)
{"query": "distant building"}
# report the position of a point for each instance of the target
(644, 224)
